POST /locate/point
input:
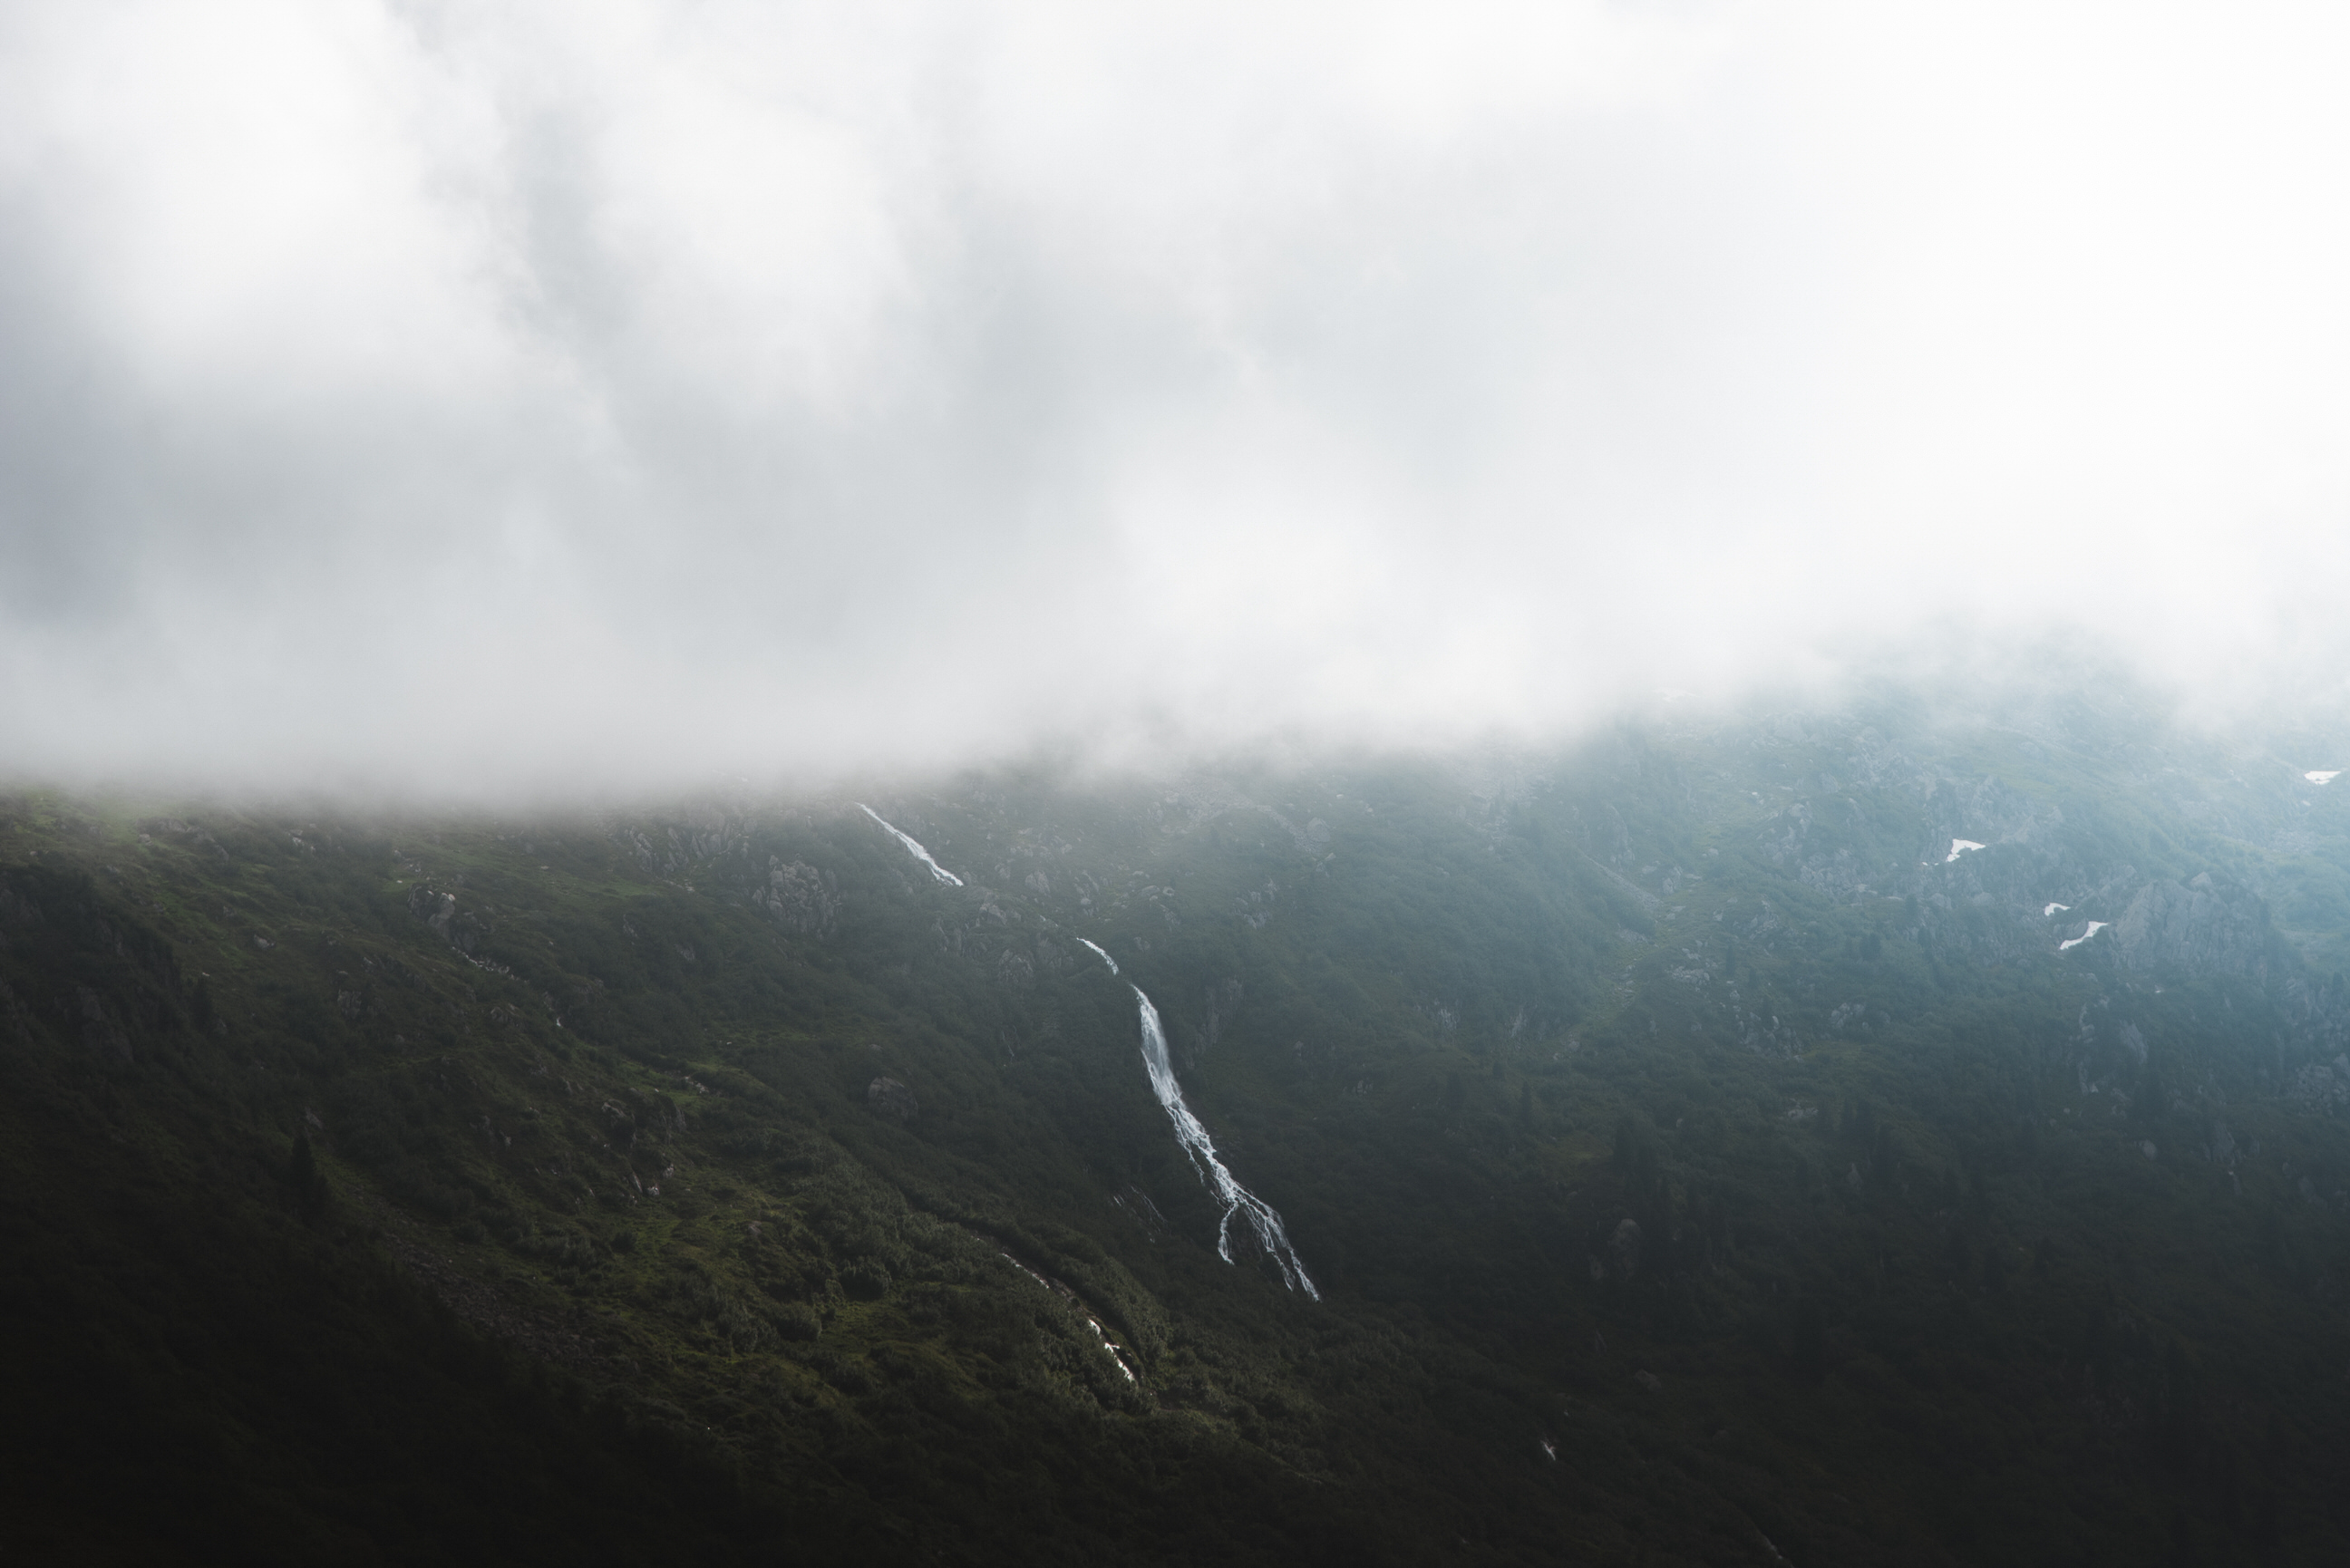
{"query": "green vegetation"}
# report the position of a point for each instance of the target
(1699, 1165)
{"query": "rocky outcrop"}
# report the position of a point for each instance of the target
(2201, 927)
(435, 910)
(887, 1097)
(2322, 1086)
(1221, 1002)
(1624, 1247)
(667, 850)
(799, 897)
(100, 1031)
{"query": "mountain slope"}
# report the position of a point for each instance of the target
(1706, 1142)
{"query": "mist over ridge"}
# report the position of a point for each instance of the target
(410, 402)
(1901, 1116)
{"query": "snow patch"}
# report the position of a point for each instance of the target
(1959, 846)
(2094, 927)
(2318, 776)
(2053, 908)
(919, 853)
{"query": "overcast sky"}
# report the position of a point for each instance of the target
(466, 397)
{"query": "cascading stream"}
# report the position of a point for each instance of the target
(916, 850)
(1236, 1198)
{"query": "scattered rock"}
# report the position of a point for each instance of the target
(1623, 1247)
(799, 897)
(888, 1097)
(99, 1029)
(2201, 927)
(2322, 1086)
(435, 910)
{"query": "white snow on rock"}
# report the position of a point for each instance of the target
(2094, 927)
(1959, 846)
(2317, 776)
(2053, 908)
(919, 853)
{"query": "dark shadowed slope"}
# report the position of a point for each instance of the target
(1704, 1153)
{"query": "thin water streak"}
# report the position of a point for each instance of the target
(919, 853)
(1261, 1217)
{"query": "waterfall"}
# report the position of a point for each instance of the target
(919, 853)
(1235, 1198)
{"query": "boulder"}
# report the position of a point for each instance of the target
(1624, 1247)
(888, 1097)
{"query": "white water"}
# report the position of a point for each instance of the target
(1196, 1143)
(1236, 1198)
(2094, 927)
(1100, 1332)
(2052, 908)
(920, 854)
(1959, 846)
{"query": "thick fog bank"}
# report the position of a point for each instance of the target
(473, 405)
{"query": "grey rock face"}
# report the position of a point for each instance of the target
(888, 1097)
(99, 1029)
(802, 899)
(435, 910)
(1623, 1247)
(2202, 927)
(1222, 1000)
(2320, 1086)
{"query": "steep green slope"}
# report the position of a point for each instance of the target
(1701, 1157)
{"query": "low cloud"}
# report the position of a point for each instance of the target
(440, 401)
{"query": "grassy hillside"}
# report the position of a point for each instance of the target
(1701, 1159)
